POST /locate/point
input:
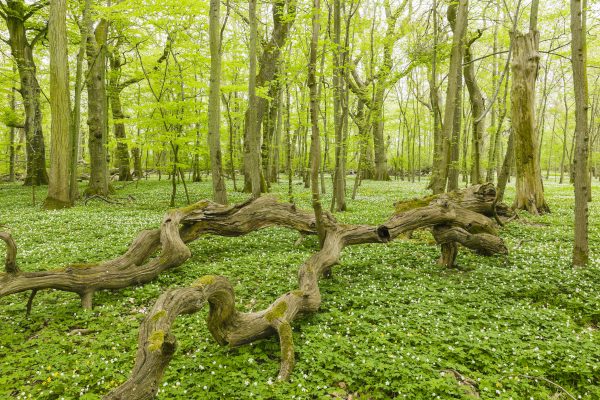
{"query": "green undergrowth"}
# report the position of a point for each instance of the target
(391, 321)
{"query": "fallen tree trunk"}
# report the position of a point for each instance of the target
(137, 265)
(156, 343)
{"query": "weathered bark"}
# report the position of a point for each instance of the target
(60, 150)
(136, 266)
(214, 105)
(529, 188)
(97, 109)
(157, 344)
(22, 51)
(580, 159)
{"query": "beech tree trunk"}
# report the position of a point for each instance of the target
(22, 51)
(97, 109)
(60, 148)
(477, 109)
(458, 13)
(214, 105)
(580, 159)
(115, 87)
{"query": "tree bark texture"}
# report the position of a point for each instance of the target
(580, 159)
(457, 12)
(97, 109)
(22, 51)
(214, 105)
(529, 188)
(60, 144)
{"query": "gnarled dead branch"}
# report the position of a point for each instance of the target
(451, 223)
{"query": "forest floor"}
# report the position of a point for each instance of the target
(392, 322)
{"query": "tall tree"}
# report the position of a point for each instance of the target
(17, 13)
(525, 63)
(214, 105)
(315, 146)
(252, 137)
(477, 108)
(580, 159)
(78, 89)
(58, 185)
(115, 87)
(456, 11)
(97, 108)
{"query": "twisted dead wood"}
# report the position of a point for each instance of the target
(157, 344)
(137, 266)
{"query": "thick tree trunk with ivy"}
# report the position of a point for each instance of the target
(16, 17)
(529, 188)
(97, 109)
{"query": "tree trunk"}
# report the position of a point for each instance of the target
(252, 132)
(60, 152)
(315, 146)
(529, 188)
(457, 12)
(214, 105)
(22, 51)
(269, 65)
(96, 88)
(477, 109)
(75, 126)
(580, 159)
(115, 87)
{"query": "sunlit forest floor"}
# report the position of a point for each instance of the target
(392, 322)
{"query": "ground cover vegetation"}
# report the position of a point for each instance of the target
(393, 323)
(372, 199)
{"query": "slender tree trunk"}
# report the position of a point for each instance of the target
(115, 87)
(339, 179)
(76, 112)
(453, 167)
(214, 105)
(477, 109)
(252, 139)
(96, 88)
(12, 154)
(580, 159)
(60, 152)
(314, 119)
(458, 13)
